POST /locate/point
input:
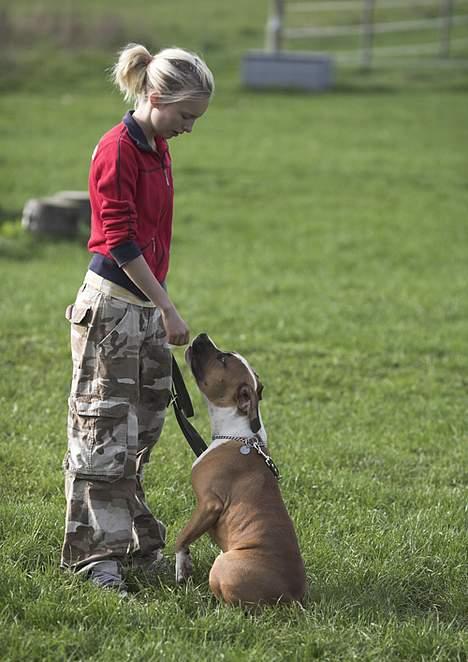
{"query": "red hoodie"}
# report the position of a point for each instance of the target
(131, 194)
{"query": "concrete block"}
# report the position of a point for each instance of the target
(288, 70)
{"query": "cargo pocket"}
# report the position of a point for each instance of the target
(97, 438)
(79, 315)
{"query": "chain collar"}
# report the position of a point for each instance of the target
(256, 443)
(244, 440)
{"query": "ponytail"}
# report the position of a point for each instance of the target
(174, 74)
(129, 72)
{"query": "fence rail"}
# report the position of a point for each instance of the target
(336, 5)
(427, 48)
(377, 28)
(368, 27)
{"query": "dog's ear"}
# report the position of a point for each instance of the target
(259, 389)
(259, 385)
(247, 403)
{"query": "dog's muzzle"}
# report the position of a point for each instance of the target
(198, 352)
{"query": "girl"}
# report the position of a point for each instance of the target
(123, 319)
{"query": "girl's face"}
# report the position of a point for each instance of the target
(171, 119)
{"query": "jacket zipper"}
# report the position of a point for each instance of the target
(165, 171)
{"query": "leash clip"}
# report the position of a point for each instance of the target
(267, 459)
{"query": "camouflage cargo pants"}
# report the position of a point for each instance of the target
(119, 395)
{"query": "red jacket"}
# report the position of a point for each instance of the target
(131, 194)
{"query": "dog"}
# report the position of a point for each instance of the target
(239, 502)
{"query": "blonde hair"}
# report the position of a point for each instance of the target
(174, 73)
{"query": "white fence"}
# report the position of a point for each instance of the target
(437, 16)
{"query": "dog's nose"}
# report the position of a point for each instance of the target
(201, 342)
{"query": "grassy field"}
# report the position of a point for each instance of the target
(325, 238)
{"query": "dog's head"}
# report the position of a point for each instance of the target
(225, 378)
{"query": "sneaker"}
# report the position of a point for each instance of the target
(106, 575)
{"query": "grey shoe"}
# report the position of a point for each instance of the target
(107, 575)
(151, 564)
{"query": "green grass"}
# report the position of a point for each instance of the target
(324, 237)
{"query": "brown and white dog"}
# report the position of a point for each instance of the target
(238, 498)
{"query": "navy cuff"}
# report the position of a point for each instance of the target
(125, 252)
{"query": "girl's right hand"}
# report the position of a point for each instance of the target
(177, 330)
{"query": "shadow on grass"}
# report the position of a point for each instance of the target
(381, 599)
(339, 88)
(9, 214)
(379, 82)
(20, 246)
(396, 597)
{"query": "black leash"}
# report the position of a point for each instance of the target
(183, 410)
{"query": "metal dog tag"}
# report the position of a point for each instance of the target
(245, 450)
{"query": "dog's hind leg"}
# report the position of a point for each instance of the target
(215, 579)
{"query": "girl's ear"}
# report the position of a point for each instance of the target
(247, 404)
(154, 100)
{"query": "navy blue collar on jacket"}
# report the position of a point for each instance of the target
(136, 132)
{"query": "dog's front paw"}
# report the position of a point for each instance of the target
(184, 566)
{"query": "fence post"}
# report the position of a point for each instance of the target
(446, 10)
(367, 34)
(274, 28)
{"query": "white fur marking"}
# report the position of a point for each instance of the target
(251, 372)
(184, 566)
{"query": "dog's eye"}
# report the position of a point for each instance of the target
(222, 358)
